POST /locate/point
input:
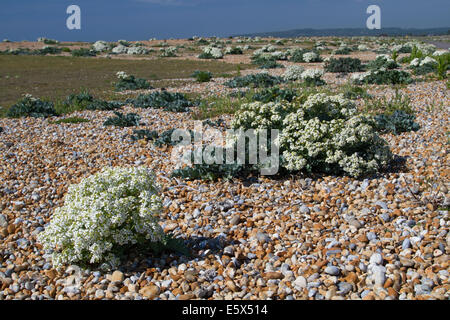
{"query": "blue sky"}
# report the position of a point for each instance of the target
(111, 20)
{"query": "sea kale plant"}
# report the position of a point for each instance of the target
(202, 76)
(103, 216)
(382, 61)
(344, 65)
(383, 76)
(174, 102)
(129, 82)
(121, 120)
(30, 106)
(313, 77)
(211, 53)
(263, 80)
(325, 134)
(293, 73)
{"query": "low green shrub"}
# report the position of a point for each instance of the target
(383, 76)
(343, 51)
(129, 82)
(344, 65)
(30, 106)
(266, 62)
(382, 61)
(121, 120)
(72, 120)
(83, 52)
(174, 102)
(274, 94)
(254, 80)
(397, 122)
(202, 76)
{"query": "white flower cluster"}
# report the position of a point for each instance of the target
(293, 73)
(426, 48)
(122, 75)
(417, 62)
(101, 46)
(120, 49)
(114, 208)
(324, 134)
(310, 57)
(216, 53)
(137, 50)
(258, 115)
(363, 47)
(440, 53)
(169, 52)
(312, 74)
(358, 78)
(385, 57)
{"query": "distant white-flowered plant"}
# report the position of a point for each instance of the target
(137, 50)
(440, 53)
(363, 47)
(216, 53)
(119, 49)
(312, 75)
(428, 61)
(113, 208)
(122, 75)
(310, 57)
(169, 52)
(358, 78)
(293, 73)
(100, 46)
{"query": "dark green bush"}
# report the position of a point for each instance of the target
(132, 83)
(397, 122)
(202, 76)
(83, 52)
(344, 65)
(355, 92)
(235, 50)
(297, 55)
(49, 50)
(255, 80)
(73, 120)
(274, 94)
(266, 62)
(31, 107)
(175, 102)
(388, 77)
(382, 62)
(103, 105)
(80, 100)
(121, 120)
(344, 50)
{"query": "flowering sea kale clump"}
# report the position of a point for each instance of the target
(423, 66)
(323, 134)
(326, 135)
(382, 61)
(169, 52)
(129, 82)
(211, 53)
(313, 77)
(103, 215)
(293, 73)
(383, 76)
